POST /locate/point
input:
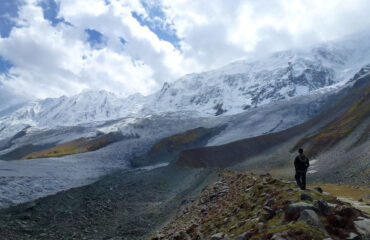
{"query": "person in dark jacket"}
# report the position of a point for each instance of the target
(301, 164)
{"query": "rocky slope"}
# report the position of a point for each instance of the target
(245, 206)
(123, 205)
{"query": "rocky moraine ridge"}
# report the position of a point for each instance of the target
(247, 206)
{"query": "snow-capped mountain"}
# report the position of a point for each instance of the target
(234, 88)
(243, 85)
(88, 106)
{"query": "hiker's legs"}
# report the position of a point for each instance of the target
(303, 181)
(298, 179)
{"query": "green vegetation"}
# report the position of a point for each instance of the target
(80, 145)
(175, 142)
(345, 190)
(338, 129)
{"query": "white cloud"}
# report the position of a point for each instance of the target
(53, 60)
(221, 31)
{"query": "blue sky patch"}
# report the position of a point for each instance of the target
(8, 11)
(94, 38)
(50, 10)
(4, 65)
(122, 40)
(157, 24)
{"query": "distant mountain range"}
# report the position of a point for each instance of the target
(235, 88)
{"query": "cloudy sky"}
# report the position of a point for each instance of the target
(50, 48)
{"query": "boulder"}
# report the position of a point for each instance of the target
(294, 210)
(322, 207)
(348, 212)
(319, 189)
(310, 217)
(306, 197)
(353, 236)
(363, 227)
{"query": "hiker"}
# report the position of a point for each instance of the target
(301, 165)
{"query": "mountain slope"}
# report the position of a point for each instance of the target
(261, 151)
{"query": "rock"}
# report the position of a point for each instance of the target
(25, 216)
(348, 213)
(265, 175)
(332, 205)
(319, 189)
(267, 216)
(203, 200)
(322, 207)
(310, 217)
(191, 228)
(336, 221)
(233, 228)
(270, 201)
(293, 211)
(248, 186)
(268, 209)
(242, 236)
(272, 180)
(217, 236)
(30, 206)
(363, 227)
(241, 223)
(277, 237)
(243, 205)
(353, 236)
(305, 196)
(361, 200)
(268, 213)
(260, 226)
(179, 235)
(212, 197)
(247, 235)
(235, 210)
